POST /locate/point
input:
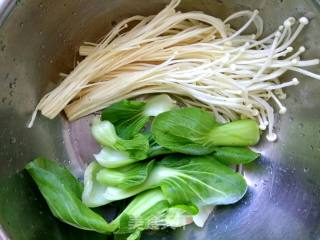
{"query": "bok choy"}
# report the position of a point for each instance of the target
(200, 180)
(129, 116)
(176, 171)
(148, 210)
(195, 131)
(62, 192)
(127, 176)
(116, 151)
(234, 155)
(151, 210)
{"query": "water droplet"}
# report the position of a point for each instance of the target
(301, 125)
(3, 47)
(11, 93)
(312, 147)
(42, 46)
(40, 33)
(4, 100)
(21, 25)
(291, 119)
(51, 61)
(12, 85)
(306, 170)
(41, 5)
(13, 140)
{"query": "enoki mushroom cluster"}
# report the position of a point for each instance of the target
(198, 58)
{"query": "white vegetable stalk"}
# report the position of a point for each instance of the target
(111, 158)
(104, 132)
(193, 55)
(204, 213)
(158, 104)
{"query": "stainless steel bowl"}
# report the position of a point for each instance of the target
(39, 39)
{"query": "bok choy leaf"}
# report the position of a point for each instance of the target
(154, 148)
(62, 192)
(94, 192)
(194, 131)
(200, 180)
(234, 155)
(129, 116)
(117, 151)
(151, 210)
(127, 176)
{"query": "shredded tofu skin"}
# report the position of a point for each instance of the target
(198, 58)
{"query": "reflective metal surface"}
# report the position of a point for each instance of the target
(39, 39)
(5, 9)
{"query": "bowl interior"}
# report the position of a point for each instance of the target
(39, 40)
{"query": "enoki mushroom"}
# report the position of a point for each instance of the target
(198, 58)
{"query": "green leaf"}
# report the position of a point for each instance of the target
(154, 148)
(125, 177)
(158, 150)
(129, 117)
(151, 210)
(179, 216)
(240, 133)
(184, 130)
(198, 180)
(96, 194)
(141, 211)
(117, 151)
(194, 131)
(234, 155)
(135, 235)
(137, 147)
(62, 193)
(119, 236)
